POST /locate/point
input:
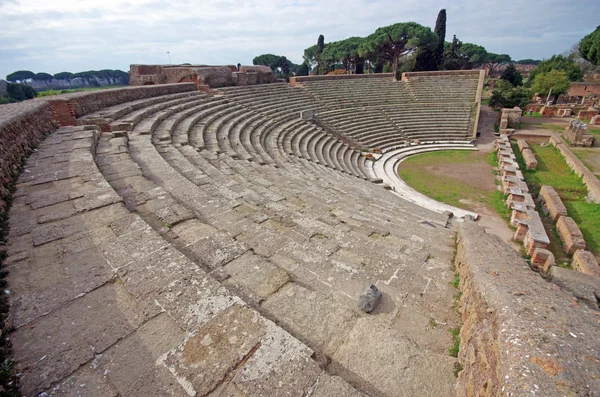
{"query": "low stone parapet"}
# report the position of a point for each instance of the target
(519, 335)
(585, 262)
(570, 235)
(589, 179)
(552, 204)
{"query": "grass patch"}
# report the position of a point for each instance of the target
(551, 127)
(455, 348)
(455, 281)
(58, 92)
(587, 216)
(485, 101)
(533, 114)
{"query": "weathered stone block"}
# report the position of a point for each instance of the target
(570, 235)
(522, 143)
(552, 202)
(542, 259)
(529, 158)
(585, 262)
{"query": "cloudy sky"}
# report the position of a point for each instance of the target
(76, 35)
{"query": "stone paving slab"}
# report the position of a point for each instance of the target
(72, 335)
(390, 364)
(319, 320)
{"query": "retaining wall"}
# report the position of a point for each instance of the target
(520, 335)
(22, 126)
(589, 179)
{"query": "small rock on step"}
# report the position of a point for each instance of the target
(369, 299)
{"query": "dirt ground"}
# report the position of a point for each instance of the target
(489, 220)
(478, 177)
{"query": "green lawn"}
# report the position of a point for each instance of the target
(58, 92)
(445, 189)
(553, 170)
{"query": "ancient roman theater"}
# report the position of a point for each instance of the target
(209, 231)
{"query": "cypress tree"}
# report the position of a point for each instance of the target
(440, 30)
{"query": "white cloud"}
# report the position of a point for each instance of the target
(77, 35)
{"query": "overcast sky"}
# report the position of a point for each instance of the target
(77, 35)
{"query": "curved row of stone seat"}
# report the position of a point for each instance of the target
(211, 124)
(285, 103)
(443, 89)
(386, 168)
(364, 92)
(283, 230)
(120, 110)
(104, 303)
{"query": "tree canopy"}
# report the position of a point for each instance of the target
(507, 96)
(41, 76)
(492, 61)
(19, 92)
(430, 58)
(555, 80)
(279, 64)
(269, 60)
(20, 75)
(512, 75)
(558, 62)
(302, 70)
(63, 76)
(394, 41)
(344, 52)
(528, 61)
(589, 47)
(440, 31)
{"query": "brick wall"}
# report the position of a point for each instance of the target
(583, 89)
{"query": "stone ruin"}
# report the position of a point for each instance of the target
(528, 156)
(204, 76)
(524, 217)
(577, 134)
(509, 119)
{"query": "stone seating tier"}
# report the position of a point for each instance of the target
(187, 241)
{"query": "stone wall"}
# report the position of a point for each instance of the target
(520, 335)
(22, 126)
(589, 179)
(301, 79)
(68, 107)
